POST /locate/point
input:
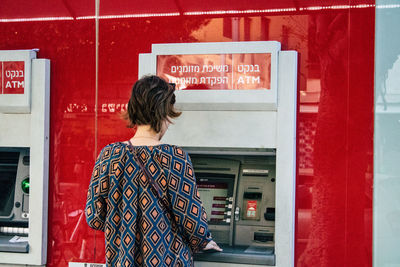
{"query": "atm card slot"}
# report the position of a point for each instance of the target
(269, 214)
(252, 195)
(263, 237)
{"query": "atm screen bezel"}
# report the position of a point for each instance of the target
(8, 172)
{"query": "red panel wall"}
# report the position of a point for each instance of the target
(335, 106)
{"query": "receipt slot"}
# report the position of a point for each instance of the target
(24, 155)
(238, 123)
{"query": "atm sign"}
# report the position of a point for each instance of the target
(12, 76)
(248, 71)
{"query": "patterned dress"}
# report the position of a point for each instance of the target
(139, 230)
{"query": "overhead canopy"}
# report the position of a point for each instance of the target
(80, 9)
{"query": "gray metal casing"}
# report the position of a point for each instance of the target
(18, 103)
(31, 130)
(244, 124)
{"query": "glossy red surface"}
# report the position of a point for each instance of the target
(334, 223)
(70, 47)
(335, 105)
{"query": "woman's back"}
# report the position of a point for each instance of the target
(139, 228)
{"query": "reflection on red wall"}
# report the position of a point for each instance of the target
(70, 47)
(335, 100)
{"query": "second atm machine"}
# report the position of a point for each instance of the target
(24, 157)
(238, 103)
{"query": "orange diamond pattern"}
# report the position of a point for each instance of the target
(138, 228)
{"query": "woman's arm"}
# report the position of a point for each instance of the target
(96, 207)
(187, 207)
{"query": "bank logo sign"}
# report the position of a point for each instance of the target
(15, 80)
(12, 77)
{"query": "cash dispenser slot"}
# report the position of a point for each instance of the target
(263, 237)
(14, 199)
(237, 193)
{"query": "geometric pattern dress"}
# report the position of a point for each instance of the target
(138, 229)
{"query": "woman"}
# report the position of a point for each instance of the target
(143, 193)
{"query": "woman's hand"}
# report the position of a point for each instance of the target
(212, 245)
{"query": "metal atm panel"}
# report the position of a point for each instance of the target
(238, 194)
(256, 204)
(26, 113)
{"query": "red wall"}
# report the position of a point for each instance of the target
(335, 105)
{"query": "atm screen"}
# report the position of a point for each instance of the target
(214, 197)
(215, 191)
(8, 173)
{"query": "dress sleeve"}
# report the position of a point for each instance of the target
(187, 207)
(96, 207)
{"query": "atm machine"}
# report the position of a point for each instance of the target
(238, 193)
(238, 123)
(24, 155)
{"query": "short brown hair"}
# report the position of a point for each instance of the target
(152, 101)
